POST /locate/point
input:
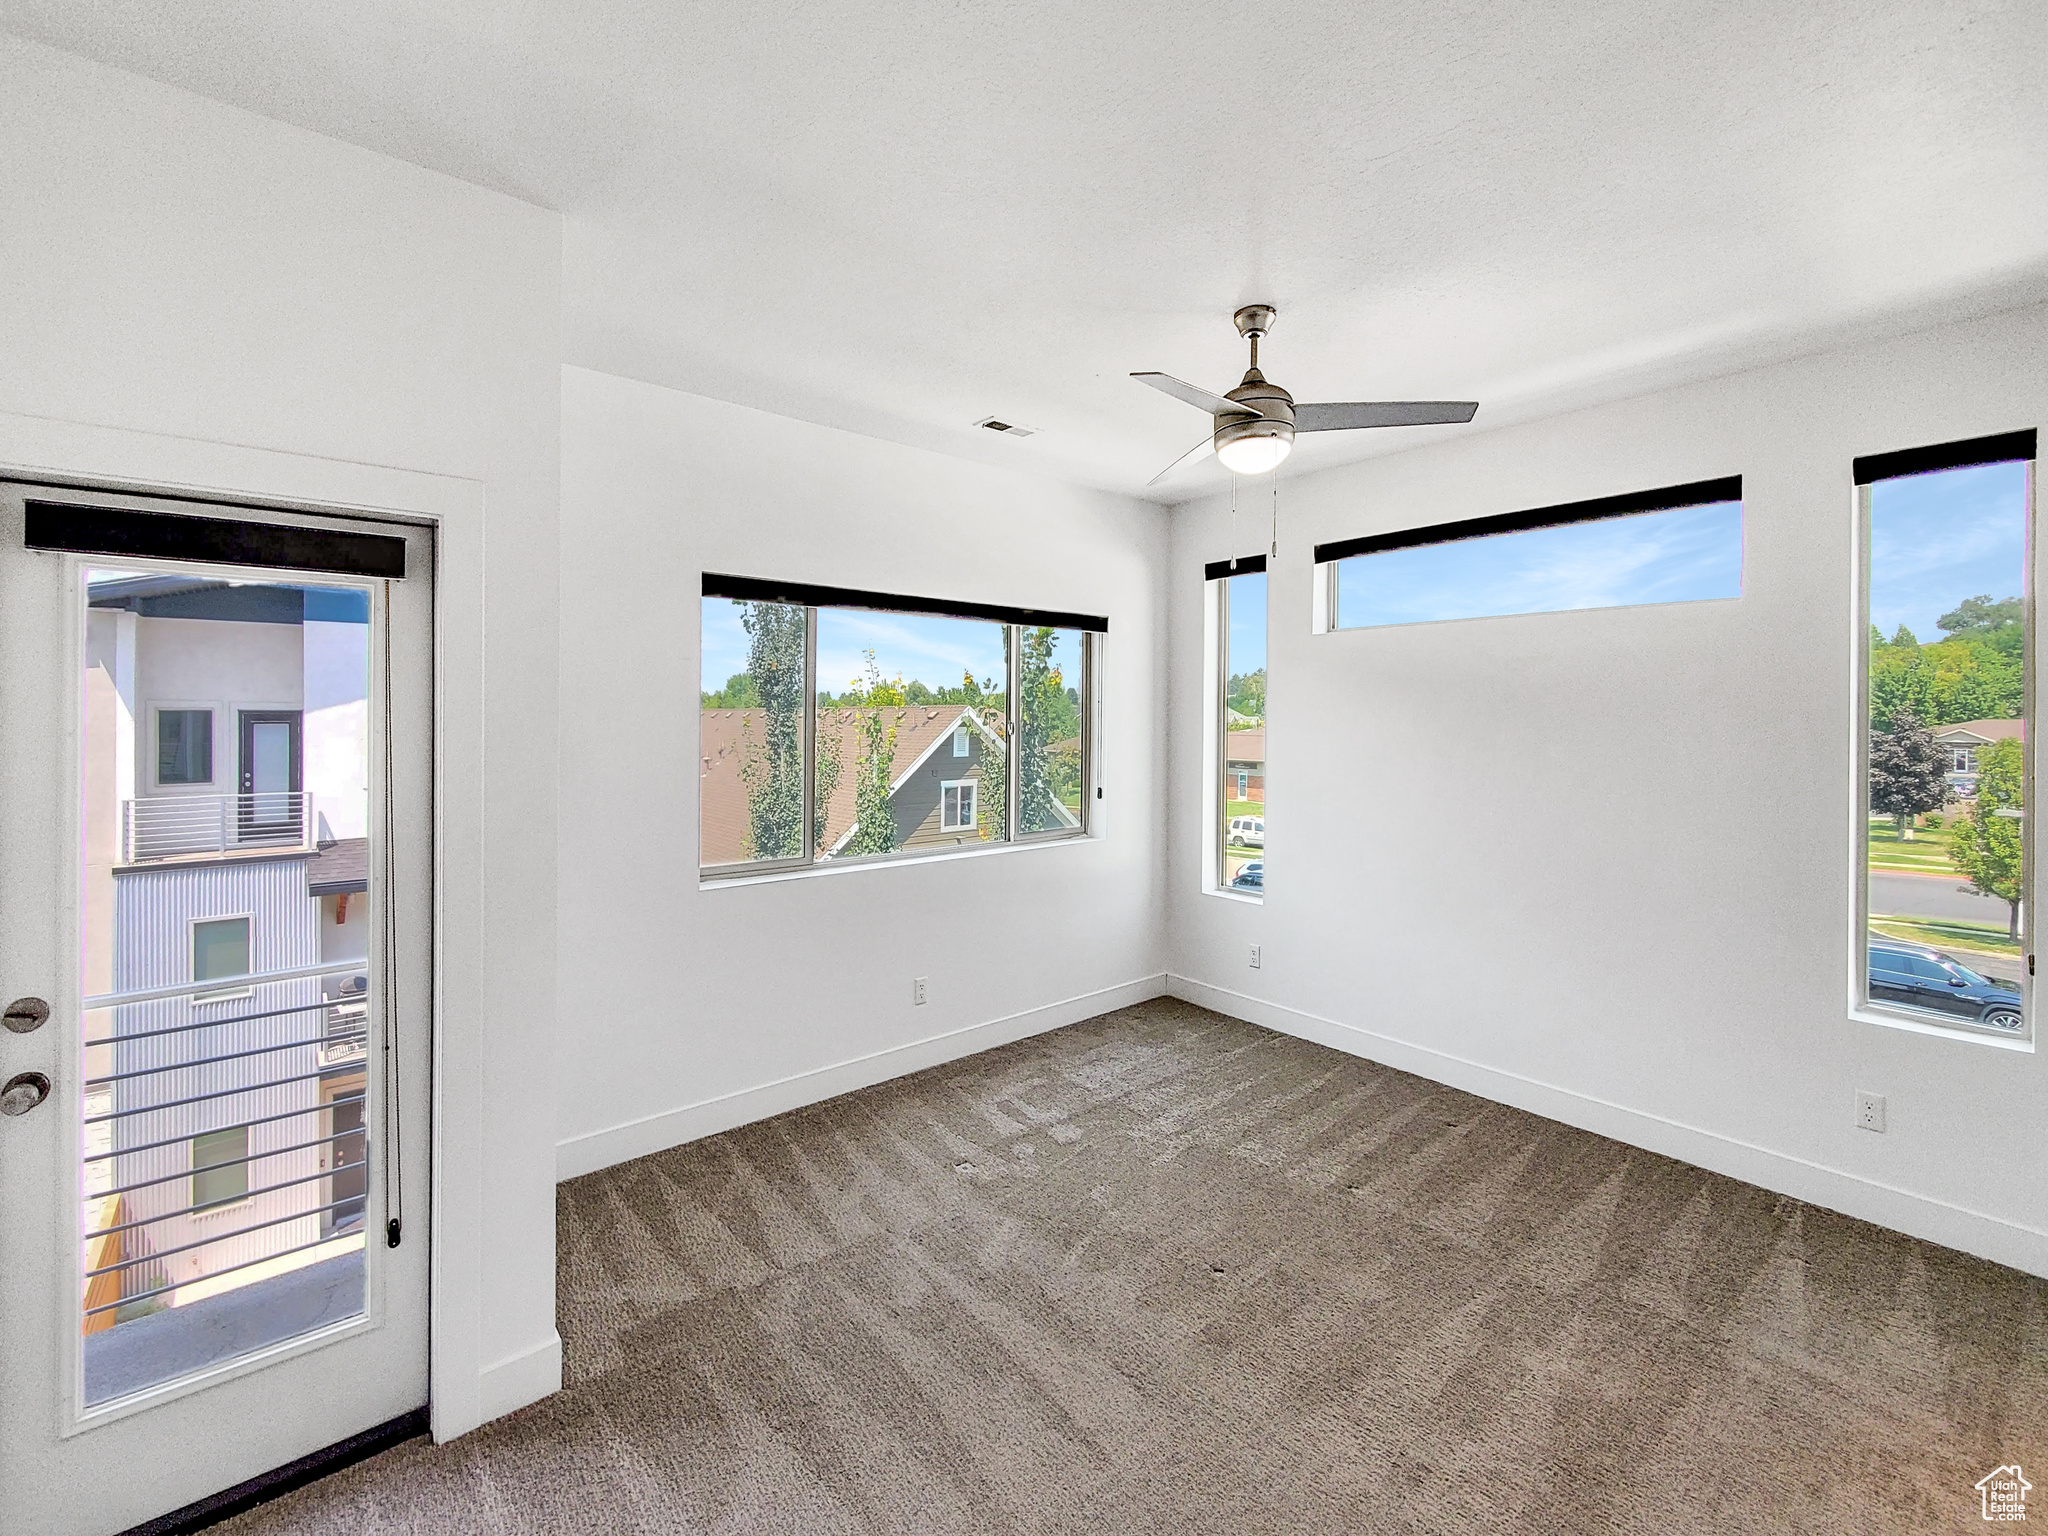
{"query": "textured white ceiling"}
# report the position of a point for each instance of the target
(901, 217)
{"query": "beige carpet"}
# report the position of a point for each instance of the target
(1166, 1272)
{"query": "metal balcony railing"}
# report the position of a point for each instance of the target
(171, 826)
(286, 1070)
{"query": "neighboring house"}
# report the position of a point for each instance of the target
(226, 812)
(1964, 740)
(938, 756)
(1244, 764)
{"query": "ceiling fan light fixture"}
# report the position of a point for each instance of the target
(1254, 447)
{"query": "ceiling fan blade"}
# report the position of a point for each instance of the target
(1206, 446)
(1339, 416)
(1200, 399)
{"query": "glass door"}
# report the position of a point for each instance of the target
(214, 1074)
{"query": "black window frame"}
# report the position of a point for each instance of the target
(814, 598)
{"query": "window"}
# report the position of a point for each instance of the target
(1240, 700)
(184, 746)
(220, 1167)
(957, 805)
(1051, 667)
(1942, 639)
(220, 947)
(826, 714)
(1681, 544)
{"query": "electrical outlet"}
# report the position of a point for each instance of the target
(917, 991)
(1870, 1111)
(1256, 956)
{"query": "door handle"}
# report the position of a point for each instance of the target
(24, 1091)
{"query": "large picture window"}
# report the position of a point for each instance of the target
(839, 726)
(1240, 805)
(1679, 544)
(1944, 641)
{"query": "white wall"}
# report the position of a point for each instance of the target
(217, 665)
(1598, 864)
(686, 1010)
(185, 282)
(336, 742)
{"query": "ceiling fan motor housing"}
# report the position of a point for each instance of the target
(1274, 417)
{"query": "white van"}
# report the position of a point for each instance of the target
(1247, 832)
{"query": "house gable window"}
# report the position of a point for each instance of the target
(826, 713)
(956, 805)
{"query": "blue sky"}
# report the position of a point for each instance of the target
(1247, 623)
(1937, 539)
(933, 651)
(1679, 556)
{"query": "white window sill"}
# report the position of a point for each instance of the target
(895, 861)
(1918, 1026)
(1245, 898)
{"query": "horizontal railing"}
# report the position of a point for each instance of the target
(145, 1238)
(177, 826)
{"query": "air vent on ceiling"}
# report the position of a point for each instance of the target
(996, 425)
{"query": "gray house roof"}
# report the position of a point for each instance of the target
(339, 868)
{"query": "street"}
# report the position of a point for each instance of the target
(1933, 896)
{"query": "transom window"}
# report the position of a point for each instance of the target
(1678, 544)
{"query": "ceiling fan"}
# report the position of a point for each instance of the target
(1256, 422)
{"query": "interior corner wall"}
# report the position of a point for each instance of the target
(687, 1010)
(1598, 864)
(174, 267)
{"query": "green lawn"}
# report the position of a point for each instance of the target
(1926, 854)
(1956, 936)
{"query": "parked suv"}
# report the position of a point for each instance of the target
(1247, 831)
(1916, 976)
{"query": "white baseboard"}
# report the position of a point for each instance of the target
(1937, 1221)
(671, 1128)
(512, 1383)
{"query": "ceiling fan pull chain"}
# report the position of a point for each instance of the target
(1233, 517)
(1275, 552)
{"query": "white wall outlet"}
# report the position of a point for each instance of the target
(917, 993)
(1257, 955)
(1870, 1111)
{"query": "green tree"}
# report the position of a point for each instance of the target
(995, 790)
(1908, 772)
(1049, 727)
(824, 780)
(772, 766)
(1980, 616)
(1978, 674)
(1990, 849)
(739, 692)
(1247, 694)
(874, 829)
